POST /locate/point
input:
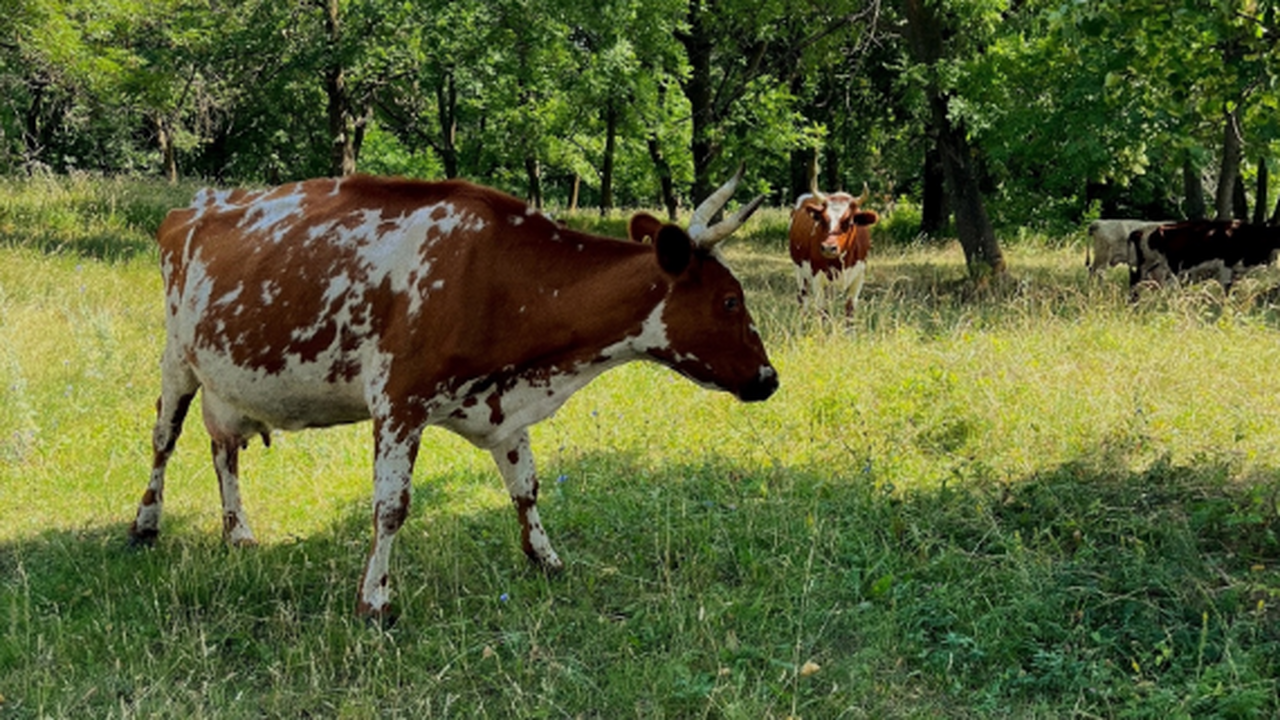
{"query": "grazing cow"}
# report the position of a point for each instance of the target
(417, 303)
(830, 237)
(1202, 249)
(1111, 242)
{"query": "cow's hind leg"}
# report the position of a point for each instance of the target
(229, 431)
(804, 278)
(226, 462)
(515, 462)
(395, 449)
(178, 387)
(851, 282)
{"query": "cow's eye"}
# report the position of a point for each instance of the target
(732, 303)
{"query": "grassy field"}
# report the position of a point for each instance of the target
(1033, 500)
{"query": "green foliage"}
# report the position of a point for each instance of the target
(384, 154)
(1065, 104)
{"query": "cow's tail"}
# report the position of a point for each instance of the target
(1087, 262)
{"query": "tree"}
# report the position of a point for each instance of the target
(931, 30)
(1182, 88)
(743, 57)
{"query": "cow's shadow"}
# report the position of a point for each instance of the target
(1083, 562)
(608, 510)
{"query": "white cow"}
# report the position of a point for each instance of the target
(1111, 242)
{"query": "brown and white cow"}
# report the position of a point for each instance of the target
(424, 303)
(830, 237)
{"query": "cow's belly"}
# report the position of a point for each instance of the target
(301, 395)
(489, 417)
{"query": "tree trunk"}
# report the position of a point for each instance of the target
(982, 253)
(933, 203)
(447, 114)
(831, 169)
(610, 150)
(534, 172)
(804, 172)
(802, 168)
(357, 136)
(1193, 190)
(31, 144)
(342, 157)
(167, 154)
(1239, 200)
(665, 179)
(697, 88)
(1231, 140)
(573, 193)
(1260, 199)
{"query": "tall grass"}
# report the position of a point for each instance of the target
(1036, 499)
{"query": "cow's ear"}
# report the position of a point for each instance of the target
(866, 217)
(643, 227)
(675, 250)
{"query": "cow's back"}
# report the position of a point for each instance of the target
(284, 301)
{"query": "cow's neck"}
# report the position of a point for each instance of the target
(599, 302)
(577, 314)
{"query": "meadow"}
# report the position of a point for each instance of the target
(1031, 499)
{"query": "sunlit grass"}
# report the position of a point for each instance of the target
(1033, 499)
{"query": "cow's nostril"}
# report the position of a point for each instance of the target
(761, 387)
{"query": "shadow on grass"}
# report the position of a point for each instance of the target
(104, 246)
(1079, 589)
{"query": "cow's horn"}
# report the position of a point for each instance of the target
(866, 194)
(813, 188)
(707, 237)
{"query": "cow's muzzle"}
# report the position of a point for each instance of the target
(764, 385)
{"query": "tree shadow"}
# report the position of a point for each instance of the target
(1034, 589)
(102, 246)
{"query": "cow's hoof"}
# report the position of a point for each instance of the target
(383, 618)
(550, 565)
(139, 539)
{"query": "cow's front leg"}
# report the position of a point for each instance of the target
(515, 461)
(395, 449)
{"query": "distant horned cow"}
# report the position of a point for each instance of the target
(830, 237)
(424, 303)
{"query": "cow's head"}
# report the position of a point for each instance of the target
(707, 335)
(834, 218)
(1148, 263)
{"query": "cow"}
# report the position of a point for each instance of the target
(1202, 249)
(1110, 242)
(829, 238)
(414, 304)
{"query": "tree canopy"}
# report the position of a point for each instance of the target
(1059, 110)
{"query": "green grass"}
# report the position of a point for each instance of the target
(1034, 500)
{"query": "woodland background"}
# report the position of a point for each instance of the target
(1035, 114)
